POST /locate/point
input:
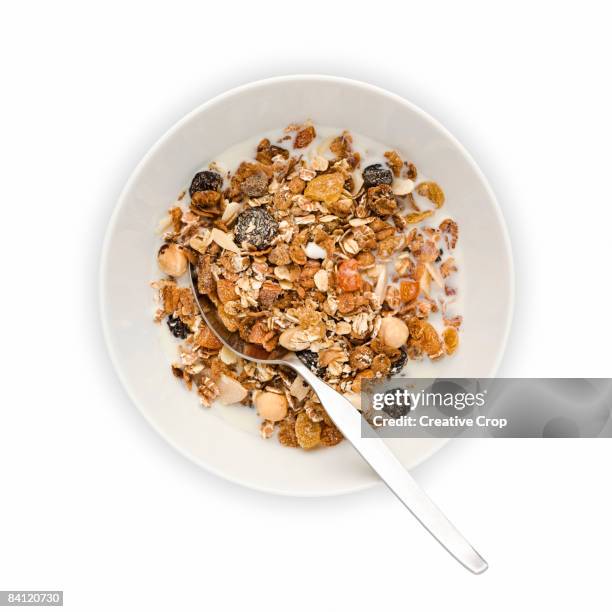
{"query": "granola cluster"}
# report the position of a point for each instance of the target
(306, 246)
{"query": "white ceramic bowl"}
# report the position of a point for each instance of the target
(211, 438)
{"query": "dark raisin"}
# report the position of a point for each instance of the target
(439, 258)
(206, 181)
(255, 226)
(177, 327)
(311, 360)
(375, 175)
(399, 363)
(397, 409)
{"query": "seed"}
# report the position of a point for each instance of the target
(206, 181)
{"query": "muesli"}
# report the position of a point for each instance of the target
(338, 255)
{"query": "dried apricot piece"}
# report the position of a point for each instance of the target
(307, 432)
(409, 290)
(431, 341)
(348, 278)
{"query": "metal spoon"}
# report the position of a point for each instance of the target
(349, 421)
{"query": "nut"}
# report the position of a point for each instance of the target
(230, 390)
(172, 260)
(393, 332)
(271, 406)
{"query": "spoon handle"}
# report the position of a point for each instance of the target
(380, 458)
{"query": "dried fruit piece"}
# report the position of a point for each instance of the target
(206, 180)
(430, 341)
(330, 435)
(266, 152)
(376, 175)
(409, 290)
(308, 432)
(311, 360)
(304, 137)
(286, 433)
(451, 340)
(325, 187)
(432, 191)
(398, 364)
(177, 327)
(255, 227)
(348, 277)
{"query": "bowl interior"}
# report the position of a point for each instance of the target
(220, 439)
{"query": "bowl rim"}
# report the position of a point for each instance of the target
(110, 230)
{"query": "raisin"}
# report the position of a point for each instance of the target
(399, 363)
(396, 411)
(206, 181)
(307, 432)
(311, 360)
(178, 328)
(255, 226)
(439, 258)
(375, 175)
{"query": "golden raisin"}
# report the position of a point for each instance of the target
(451, 340)
(307, 432)
(330, 435)
(325, 187)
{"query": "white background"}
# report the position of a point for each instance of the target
(92, 501)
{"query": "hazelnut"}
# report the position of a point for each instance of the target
(172, 260)
(393, 332)
(271, 406)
